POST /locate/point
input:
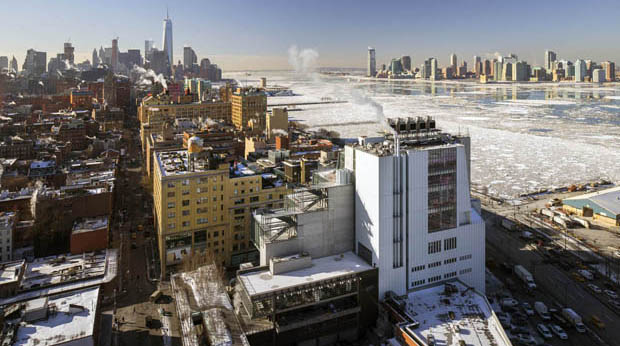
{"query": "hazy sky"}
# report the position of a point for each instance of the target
(244, 34)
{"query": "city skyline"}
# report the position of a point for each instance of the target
(346, 30)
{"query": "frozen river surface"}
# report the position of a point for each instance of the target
(524, 136)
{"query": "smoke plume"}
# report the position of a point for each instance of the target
(304, 61)
(363, 100)
(147, 77)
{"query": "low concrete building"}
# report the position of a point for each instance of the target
(300, 300)
(451, 313)
(601, 205)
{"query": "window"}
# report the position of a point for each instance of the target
(434, 264)
(171, 194)
(236, 192)
(170, 205)
(170, 184)
(418, 268)
(185, 224)
(185, 212)
(449, 275)
(171, 225)
(418, 283)
(434, 247)
(185, 182)
(434, 278)
(202, 220)
(185, 192)
(239, 211)
(449, 244)
(464, 271)
(463, 258)
(185, 202)
(171, 215)
(450, 260)
(253, 199)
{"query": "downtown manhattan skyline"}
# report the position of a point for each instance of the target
(246, 36)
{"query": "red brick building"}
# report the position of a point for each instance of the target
(89, 235)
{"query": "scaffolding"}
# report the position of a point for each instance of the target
(272, 225)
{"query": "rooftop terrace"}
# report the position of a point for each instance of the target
(450, 314)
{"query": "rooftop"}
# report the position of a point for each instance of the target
(9, 271)
(55, 270)
(60, 274)
(74, 319)
(608, 200)
(200, 296)
(90, 224)
(325, 268)
(450, 313)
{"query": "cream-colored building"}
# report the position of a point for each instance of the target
(247, 104)
(204, 206)
(276, 121)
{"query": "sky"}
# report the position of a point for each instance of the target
(255, 35)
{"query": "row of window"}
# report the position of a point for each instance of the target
(435, 246)
(450, 261)
(449, 275)
(464, 271)
(434, 264)
(466, 257)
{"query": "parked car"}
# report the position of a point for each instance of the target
(544, 331)
(526, 339)
(509, 302)
(527, 308)
(557, 330)
(611, 294)
(594, 288)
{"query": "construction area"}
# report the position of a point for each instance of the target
(204, 309)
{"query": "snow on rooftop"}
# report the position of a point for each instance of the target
(9, 271)
(465, 315)
(324, 268)
(75, 319)
(90, 224)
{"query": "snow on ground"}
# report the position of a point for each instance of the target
(524, 136)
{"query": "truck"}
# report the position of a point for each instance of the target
(509, 225)
(574, 319)
(586, 274)
(525, 276)
(542, 311)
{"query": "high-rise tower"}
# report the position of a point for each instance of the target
(372, 62)
(167, 38)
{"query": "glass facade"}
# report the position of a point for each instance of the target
(441, 189)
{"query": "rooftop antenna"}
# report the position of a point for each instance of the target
(167, 16)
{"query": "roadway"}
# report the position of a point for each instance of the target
(554, 285)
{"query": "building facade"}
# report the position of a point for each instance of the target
(247, 104)
(202, 205)
(414, 219)
(372, 63)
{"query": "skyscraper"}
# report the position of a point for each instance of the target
(35, 63)
(167, 39)
(114, 61)
(453, 62)
(372, 62)
(14, 65)
(4, 62)
(610, 70)
(550, 58)
(433, 62)
(148, 48)
(189, 58)
(405, 61)
(580, 70)
(68, 50)
(95, 58)
(477, 66)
